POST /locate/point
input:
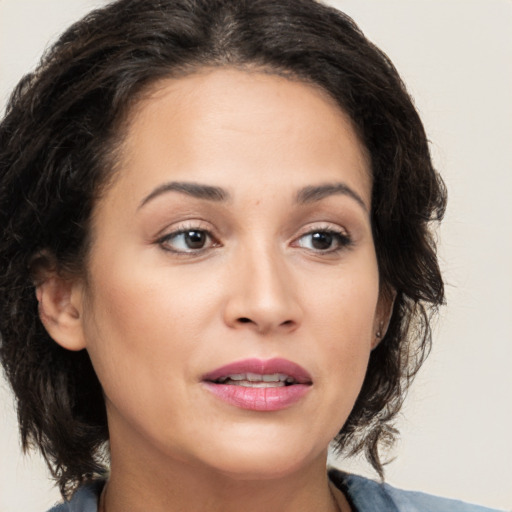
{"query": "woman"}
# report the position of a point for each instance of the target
(216, 257)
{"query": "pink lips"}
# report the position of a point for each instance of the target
(273, 398)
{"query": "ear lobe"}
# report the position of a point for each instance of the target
(383, 315)
(60, 310)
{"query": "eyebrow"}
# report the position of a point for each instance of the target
(306, 195)
(196, 190)
(315, 193)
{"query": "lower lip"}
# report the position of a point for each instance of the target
(259, 399)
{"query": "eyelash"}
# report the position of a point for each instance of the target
(165, 240)
(341, 238)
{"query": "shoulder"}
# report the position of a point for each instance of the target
(366, 495)
(85, 499)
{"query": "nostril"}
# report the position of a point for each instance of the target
(244, 320)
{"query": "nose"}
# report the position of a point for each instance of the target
(263, 296)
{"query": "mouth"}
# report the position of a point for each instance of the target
(256, 380)
(260, 385)
(275, 372)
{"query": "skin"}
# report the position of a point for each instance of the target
(156, 315)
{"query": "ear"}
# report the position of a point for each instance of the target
(383, 315)
(60, 309)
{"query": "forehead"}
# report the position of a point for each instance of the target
(225, 126)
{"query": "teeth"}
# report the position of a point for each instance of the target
(237, 376)
(261, 384)
(258, 380)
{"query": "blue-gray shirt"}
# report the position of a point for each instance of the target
(363, 494)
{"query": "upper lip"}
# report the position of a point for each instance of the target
(261, 367)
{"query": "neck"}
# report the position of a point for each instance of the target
(180, 487)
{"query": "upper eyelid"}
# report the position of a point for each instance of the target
(185, 225)
(215, 233)
(345, 235)
(322, 226)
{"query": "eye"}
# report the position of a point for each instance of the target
(325, 241)
(187, 241)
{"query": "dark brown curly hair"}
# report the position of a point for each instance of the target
(58, 143)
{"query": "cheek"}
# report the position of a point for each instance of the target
(343, 317)
(139, 328)
(345, 304)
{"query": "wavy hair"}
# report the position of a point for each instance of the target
(58, 142)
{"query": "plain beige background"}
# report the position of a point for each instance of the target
(456, 58)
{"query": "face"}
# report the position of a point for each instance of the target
(232, 297)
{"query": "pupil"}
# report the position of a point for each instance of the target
(322, 241)
(195, 239)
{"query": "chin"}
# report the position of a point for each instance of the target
(265, 461)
